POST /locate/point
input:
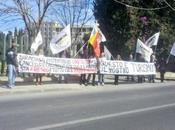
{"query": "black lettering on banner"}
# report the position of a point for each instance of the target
(29, 63)
(143, 67)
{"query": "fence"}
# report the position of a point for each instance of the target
(23, 43)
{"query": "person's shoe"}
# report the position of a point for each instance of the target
(65, 82)
(98, 84)
(115, 83)
(9, 87)
(86, 84)
(102, 84)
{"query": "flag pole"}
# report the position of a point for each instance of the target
(112, 57)
(110, 53)
(135, 51)
(168, 59)
(155, 48)
(79, 50)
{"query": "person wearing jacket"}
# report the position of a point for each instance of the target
(11, 59)
(162, 69)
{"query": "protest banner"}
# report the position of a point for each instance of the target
(127, 68)
(61, 41)
(52, 65)
(36, 43)
(153, 40)
(36, 64)
(144, 50)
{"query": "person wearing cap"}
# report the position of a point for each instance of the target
(11, 59)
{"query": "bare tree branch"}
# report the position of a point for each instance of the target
(74, 12)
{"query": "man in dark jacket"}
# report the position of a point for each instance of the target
(11, 58)
(162, 68)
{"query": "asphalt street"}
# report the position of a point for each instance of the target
(147, 108)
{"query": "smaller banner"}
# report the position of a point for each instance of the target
(108, 55)
(153, 40)
(37, 42)
(127, 68)
(172, 52)
(61, 41)
(144, 50)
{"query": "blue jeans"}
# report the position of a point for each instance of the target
(11, 75)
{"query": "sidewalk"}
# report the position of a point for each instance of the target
(28, 86)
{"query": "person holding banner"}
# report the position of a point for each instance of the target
(63, 54)
(162, 69)
(83, 76)
(100, 76)
(11, 58)
(130, 59)
(152, 60)
(140, 58)
(91, 55)
(117, 76)
(39, 76)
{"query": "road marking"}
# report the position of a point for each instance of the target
(100, 117)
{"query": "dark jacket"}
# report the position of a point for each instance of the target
(11, 57)
(162, 66)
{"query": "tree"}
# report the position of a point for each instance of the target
(114, 23)
(77, 13)
(122, 21)
(31, 12)
(1, 45)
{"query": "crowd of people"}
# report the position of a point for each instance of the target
(12, 69)
(161, 67)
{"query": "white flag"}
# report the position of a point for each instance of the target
(61, 41)
(173, 50)
(143, 50)
(152, 41)
(103, 38)
(107, 53)
(37, 42)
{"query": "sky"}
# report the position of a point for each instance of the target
(9, 23)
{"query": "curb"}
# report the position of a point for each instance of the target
(79, 88)
(38, 89)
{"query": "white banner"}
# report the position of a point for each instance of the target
(143, 50)
(127, 68)
(108, 55)
(37, 64)
(172, 52)
(153, 40)
(37, 42)
(61, 41)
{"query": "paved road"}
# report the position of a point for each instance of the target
(147, 108)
